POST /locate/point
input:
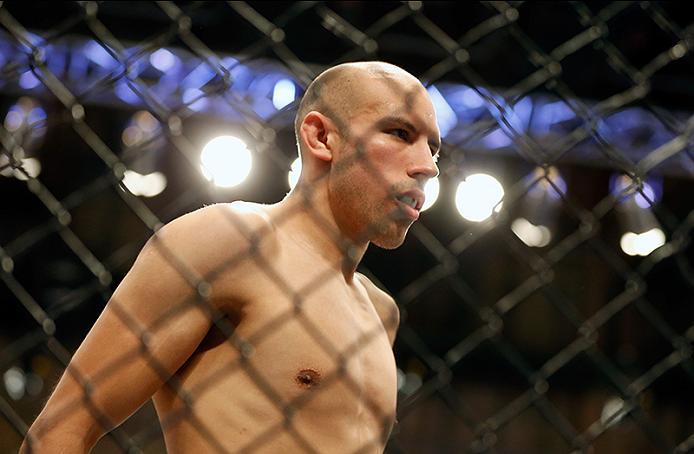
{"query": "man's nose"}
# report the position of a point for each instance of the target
(423, 165)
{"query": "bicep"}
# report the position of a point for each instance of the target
(151, 325)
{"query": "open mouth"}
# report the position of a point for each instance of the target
(409, 206)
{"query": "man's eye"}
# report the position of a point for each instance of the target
(401, 133)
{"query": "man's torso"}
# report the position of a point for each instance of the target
(309, 367)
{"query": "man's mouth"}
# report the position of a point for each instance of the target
(411, 202)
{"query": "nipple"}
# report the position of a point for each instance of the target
(307, 378)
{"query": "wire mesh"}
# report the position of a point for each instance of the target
(503, 345)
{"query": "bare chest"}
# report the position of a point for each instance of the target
(317, 348)
(320, 337)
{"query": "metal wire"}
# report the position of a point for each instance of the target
(530, 391)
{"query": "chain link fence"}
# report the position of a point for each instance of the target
(508, 342)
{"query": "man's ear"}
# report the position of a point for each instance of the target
(318, 134)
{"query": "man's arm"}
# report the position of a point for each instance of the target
(154, 306)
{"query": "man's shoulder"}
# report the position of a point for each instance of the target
(216, 233)
(377, 295)
(222, 221)
(386, 307)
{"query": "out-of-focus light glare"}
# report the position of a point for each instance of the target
(294, 173)
(549, 182)
(31, 166)
(195, 99)
(431, 193)
(642, 243)
(148, 185)
(28, 80)
(623, 187)
(648, 192)
(163, 60)
(445, 115)
(408, 382)
(530, 234)
(612, 412)
(125, 93)
(146, 121)
(226, 161)
(497, 139)
(472, 99)
(400, 378)
(142, 127)
(36, 114)
(13, 120)
(131, 136)
(551, 113)
(99, 55)
(283, 94)
(478, 197)
(15, 382)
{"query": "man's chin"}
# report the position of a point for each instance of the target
(392, 241)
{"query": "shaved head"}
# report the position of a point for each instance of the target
(339, 92)
(367, 136)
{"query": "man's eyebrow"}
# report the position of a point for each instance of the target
(434, 143)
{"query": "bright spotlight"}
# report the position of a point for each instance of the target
(148, 185)
(431, 193)
(283, 94)
(478, 197)
(530, 234)
(226, 161)
(294, 172)
(642, 243)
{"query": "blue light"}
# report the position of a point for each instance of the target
(652, 190)
(198, 77)
(28, 80)
(56, 59)
(125, 93)
(642, 198)
(163, 60)
(512, 119)
(37, 114)
(523, 110)
(496, 139)
(96, 53)
(445, 115)
(194, 99)
(549, 114)
(283, 94)
(471, 99)
(77, 70)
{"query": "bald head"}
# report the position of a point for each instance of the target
(339, 92)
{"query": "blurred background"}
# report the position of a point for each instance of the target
(547, 292)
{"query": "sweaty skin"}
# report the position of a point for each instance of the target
(248, 324)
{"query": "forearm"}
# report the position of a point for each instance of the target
(58, 432)
(55, 442)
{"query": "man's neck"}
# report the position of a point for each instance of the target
(307, 218)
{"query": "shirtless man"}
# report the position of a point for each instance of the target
(247, 324)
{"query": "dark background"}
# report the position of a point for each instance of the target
(464, 404)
